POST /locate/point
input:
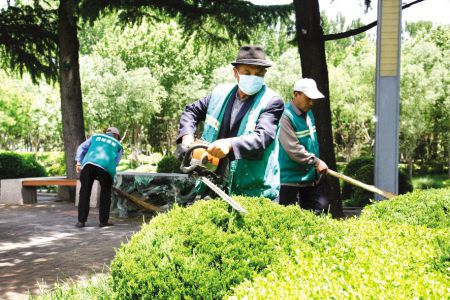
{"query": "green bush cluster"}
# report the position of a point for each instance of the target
(168, 164)
(53, 162)
(208, 251)
(372, 260)
(143, 163)
(423, 207)
(204, 250)
(362, 169)
(15, 165)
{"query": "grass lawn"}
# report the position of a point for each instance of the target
(422, 182)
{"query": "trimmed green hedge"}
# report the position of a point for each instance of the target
(202, 251)
(207, 251)
(371, 261)
(423, 207)
(15, 165)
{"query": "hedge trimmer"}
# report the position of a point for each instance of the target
(201, 165)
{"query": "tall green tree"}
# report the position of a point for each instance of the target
(175, 52)
(28, 41)
(215, 20)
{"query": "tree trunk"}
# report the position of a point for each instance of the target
(410, 166)
(70, 86)
(311, 47)
(448, 154)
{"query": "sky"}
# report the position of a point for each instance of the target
(428, 10)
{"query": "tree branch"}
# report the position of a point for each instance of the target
(352, 32)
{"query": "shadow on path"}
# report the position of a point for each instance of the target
(39, 245)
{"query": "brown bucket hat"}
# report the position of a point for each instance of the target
(251, 55)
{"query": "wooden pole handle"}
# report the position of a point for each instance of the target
(368, 187)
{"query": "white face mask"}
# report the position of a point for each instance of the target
(250, 84)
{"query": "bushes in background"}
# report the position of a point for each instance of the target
(15, 165)
(168, 164)
(53, 162)
(362, 169)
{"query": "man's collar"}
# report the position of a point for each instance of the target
(246, 97)
(297, 111)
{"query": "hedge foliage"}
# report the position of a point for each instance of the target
(53, 162)
(371, 260)
(168, 164)
(362, 169)
(208, 251)
(423, 207)
(15, 165)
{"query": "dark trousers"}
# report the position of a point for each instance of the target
(88, 174)
(312, 198)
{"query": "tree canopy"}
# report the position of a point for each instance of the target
(28, 41)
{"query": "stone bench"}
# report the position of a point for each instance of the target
(21, 191)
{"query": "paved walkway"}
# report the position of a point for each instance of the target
(39, 245)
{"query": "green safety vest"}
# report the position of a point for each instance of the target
(305, 130)
(103, 153)
(249, 177)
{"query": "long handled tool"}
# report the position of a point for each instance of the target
(137, 200)
(370, 188)
(198, 163)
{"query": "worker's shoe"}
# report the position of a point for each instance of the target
(79, 225)
(105, 224)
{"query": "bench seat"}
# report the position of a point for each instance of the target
(23, 190)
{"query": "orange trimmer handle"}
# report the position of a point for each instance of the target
(185, 164)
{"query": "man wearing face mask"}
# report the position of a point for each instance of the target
(241, 123)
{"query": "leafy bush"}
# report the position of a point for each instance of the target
(144, 163)
(15, 165)
(424, 207)
(53, 162)
(202, 251)
(207, 251)
(168, 164)
(373, 260)
(362, 169)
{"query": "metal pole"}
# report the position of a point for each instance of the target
(387, 103)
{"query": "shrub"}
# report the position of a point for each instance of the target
(200, 252)
(207, 251)
(53, 162)
(374, 260)
(423, 207)
(168, 164)
(15, 165)
(362, 169)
